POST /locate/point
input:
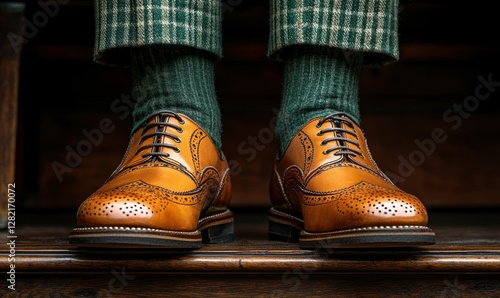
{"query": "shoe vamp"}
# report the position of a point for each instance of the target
(161, 175)
(340, 176)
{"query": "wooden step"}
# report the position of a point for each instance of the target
(464, 263)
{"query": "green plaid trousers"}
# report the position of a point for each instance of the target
(369, 26)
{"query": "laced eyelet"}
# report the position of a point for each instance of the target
(155, 135)
(339, 142)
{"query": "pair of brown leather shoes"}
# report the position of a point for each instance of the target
(173, 187)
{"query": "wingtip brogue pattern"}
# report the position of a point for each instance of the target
(171, 188)
(327, 181)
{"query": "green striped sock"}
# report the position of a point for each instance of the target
(318, 81)
(179, 79)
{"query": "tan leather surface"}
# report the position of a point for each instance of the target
(158, 186)
(340, 189)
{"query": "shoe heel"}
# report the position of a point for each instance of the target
(283, 232)
(218, 234)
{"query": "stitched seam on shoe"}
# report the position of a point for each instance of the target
(328, 166)
(339, 191)
(196, 155)
(141, 183)
(213, 216)
(374, 228)
(305, 138)
(142, 165)
(287, 215)
(134, 229)
(314, 193)
(222, 184)
(283, 193)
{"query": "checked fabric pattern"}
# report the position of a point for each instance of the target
(121, 24)
(369, 26)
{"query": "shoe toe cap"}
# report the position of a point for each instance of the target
(139, 205)
(363, 205)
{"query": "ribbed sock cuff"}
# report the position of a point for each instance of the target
(179, 79)
(318, 81)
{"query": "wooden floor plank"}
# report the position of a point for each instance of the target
(464, 263)
(472, 246)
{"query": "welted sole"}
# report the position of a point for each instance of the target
(213, 229)
(288, 228)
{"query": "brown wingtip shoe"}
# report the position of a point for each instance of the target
(327, 191)
(171, 190)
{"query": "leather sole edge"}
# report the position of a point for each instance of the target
(288, 228)
(214, 229)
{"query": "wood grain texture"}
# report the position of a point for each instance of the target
(10, 24)
(258, 285)
(464, 263)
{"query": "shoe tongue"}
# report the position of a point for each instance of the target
(162, 118)
(337, 124)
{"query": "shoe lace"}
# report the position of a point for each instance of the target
(159, 131)
(342, 147)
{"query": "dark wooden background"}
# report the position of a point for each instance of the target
(445, 46)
